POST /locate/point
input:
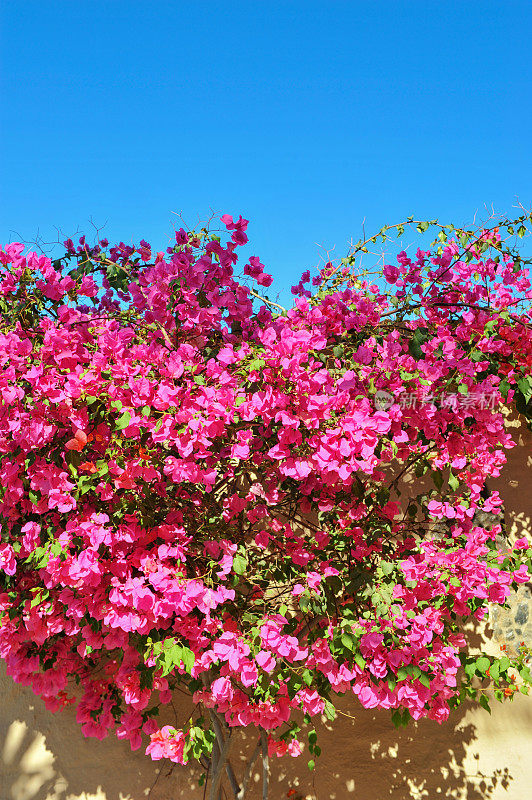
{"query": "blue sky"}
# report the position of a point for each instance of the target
(306, 117)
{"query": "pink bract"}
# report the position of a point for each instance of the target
(201, 489)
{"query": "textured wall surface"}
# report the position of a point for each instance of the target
(472, 757)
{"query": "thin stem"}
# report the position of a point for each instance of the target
(249, 771)
(220, 739)
(265, 300)
(221, 742)
(108, 262)
(265, 764)
(215, 760)
(220, 766)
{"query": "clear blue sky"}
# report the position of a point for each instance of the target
(306, 117)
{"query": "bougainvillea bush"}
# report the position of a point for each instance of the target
(202, 491)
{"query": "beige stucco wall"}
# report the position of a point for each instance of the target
(472, 757)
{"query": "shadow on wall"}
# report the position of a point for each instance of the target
(44, 756)
(472, 757)
(515, 482)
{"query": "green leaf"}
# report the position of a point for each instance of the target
(424, 680)
(40, 595)
(307, 677)
(454, 483)
(504, 663)
(239, 564)
(504, 388)
(256, 364)
(470, 669)
(482, 665)
(117, 404)
(400, 718)
(188, 658)
(173, 655)
(294, 685)
(123, 421)
(525, 385)
(397, 719)
(56, 548)
(483, 701)
(348, 640)
(521, 231)
(525, 674)
(494, 670)
(414, 346)
(304, 603)
(520, 403)
(360, 660)
(311, 764)
(329, 710)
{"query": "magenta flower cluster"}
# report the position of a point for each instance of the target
(198, 489)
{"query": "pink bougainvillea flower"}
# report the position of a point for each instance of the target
(8, 562)
(522, 543)
(247, 527)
